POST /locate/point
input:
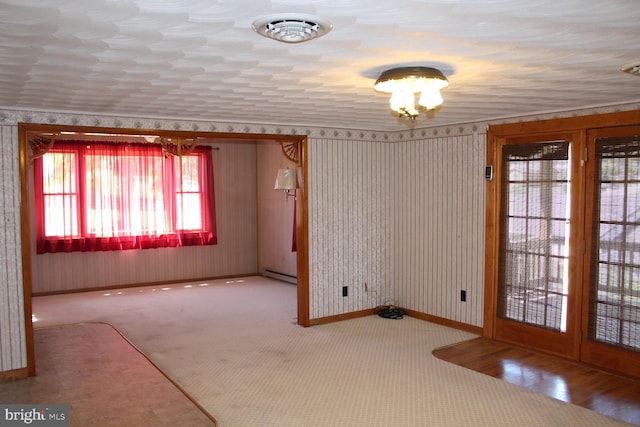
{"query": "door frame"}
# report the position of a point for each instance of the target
(595, 352)
(302, 221)
(559, 343)
(496, 136)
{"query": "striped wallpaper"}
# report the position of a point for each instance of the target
(351, 236)
(12, 326)
(396, 218)
(394, 222)
(406, 219)
(440, 227)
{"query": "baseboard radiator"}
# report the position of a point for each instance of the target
(280, 276)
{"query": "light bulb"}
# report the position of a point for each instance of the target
(430, 97)
(402, 98)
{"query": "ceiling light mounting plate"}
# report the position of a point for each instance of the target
(408, 73)
(291, 27)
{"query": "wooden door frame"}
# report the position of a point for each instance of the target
(302, 221)
(495, 136)
(562, 344)
(592, 352)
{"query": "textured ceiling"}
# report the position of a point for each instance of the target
(201, 60)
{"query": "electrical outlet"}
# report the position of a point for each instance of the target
(345, 291)
(463, 296)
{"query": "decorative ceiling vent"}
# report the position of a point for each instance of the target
(291, 27)
(633, 69)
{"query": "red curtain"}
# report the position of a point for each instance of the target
(97, 196)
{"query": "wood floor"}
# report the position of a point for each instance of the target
(611, 395)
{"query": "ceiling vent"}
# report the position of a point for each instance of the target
(291, 27)
(633, 69)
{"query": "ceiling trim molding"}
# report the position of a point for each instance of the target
(13, 117)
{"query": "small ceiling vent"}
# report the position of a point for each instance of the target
(633, 69)
(291, 27)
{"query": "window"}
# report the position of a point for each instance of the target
(113, 196)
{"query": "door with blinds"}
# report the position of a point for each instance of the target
(537, 292)
(611, 322)
(564, 219)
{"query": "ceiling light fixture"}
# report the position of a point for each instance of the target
(633, 69)
(291, 27)
(405, 82)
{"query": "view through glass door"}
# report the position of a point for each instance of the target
(612, 309)
(535, 291)
(566, 210)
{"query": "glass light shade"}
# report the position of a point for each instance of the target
(286, 179)
(430, 97)
(403, 83)
(402, 99)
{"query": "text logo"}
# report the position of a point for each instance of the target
(34, 415)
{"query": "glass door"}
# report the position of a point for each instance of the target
(611, 308)
(562, 248)
(536, 294)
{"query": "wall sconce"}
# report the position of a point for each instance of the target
(286, 180)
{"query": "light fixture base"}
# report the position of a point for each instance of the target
(407, 73)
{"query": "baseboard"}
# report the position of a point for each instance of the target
(445, 322)
(341, 317)
(14, 375)
(141, 284)
(415, 314)
(283, 277)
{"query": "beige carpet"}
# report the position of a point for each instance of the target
(236, 349)
(105, 381)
